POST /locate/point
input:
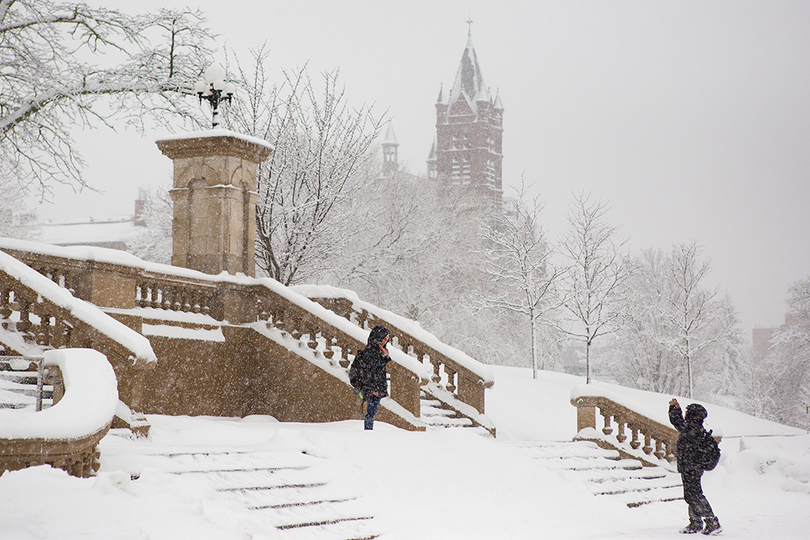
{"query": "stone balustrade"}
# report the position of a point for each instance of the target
(47, 318)
(237, 300)
(335, 344)
(450, 375)
(165, 293)
(615, 426)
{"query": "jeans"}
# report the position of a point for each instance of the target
(372, 404)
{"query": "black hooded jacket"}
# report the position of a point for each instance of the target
(374, 361)
(690, 456)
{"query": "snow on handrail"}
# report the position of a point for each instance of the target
(413, 328)
(136, 344)
(292, 295)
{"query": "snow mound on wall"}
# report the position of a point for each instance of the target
(88, 406)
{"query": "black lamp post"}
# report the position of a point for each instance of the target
(214, 89)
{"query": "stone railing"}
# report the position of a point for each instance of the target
(45, 316)
(337, 340)
(451, 370)
(615, 426)
(65, 435)
(115, 285)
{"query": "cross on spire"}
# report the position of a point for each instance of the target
(469, 27)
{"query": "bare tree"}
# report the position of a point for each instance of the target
(59, 59)
(660, 332)
(593, 285)
(689, 307)
(320, 144)
(518, 262)
(639, 354)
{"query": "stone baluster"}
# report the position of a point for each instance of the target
(435, 373)
(659, 448)
(25, 315)
(607, 430)
(311, 340)
(328, 350)
(185, 300)
(154, 296)
(647, 444)
(177, 302)
(451, 378)
(44, 335)
(634, 442)
(620, 435)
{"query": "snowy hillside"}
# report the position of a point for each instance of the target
(441, 484)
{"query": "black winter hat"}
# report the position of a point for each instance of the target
(377, 335)
(696, 411)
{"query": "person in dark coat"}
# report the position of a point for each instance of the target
(691, 465)
(375, 386)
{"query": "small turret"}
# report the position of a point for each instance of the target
(389, 151)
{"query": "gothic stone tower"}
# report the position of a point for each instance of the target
(469, 130)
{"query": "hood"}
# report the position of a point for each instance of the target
(376, 336)
(695, 414)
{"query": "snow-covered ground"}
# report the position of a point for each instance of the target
(439, 484)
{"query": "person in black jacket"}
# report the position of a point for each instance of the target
(691, 465)
(375, 385)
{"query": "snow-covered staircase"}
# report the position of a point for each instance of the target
(438, 414)
(606, 473)
(22, 388)
(283, 489)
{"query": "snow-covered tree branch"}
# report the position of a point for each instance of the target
(59, 60)
(320, 144)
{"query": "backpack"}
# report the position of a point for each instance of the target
(357, 372)
(709, 451)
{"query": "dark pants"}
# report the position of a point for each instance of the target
(372, 404)
(693, 495)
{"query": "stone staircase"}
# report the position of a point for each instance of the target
(283, 489)
(22, 386)
(438, 414)
(606, 473)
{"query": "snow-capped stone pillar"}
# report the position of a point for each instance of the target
(214, 196)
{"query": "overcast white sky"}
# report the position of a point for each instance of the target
(691, 118)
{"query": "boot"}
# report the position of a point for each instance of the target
(712, 526)
(693, 527)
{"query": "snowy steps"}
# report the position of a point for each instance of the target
(18, 389)
(605, 473)
(283, 489)
(438, 415)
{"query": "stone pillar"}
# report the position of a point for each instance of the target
(215, 195)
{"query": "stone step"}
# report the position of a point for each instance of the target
(284, 488)
(606, 474)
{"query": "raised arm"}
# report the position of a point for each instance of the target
(676, 415)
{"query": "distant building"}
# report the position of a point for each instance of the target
(389, 151)
(761, 339)
(114, 233)
(468, 148)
